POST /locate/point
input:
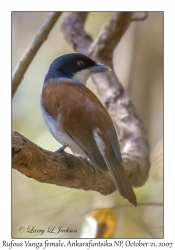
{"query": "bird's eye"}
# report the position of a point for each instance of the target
(80, 64)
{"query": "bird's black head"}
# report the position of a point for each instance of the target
(74, 66)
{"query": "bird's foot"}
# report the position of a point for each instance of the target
(61, 149)
(82, 157)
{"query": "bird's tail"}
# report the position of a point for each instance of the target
(121, 180)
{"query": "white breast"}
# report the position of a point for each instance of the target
(55, 129)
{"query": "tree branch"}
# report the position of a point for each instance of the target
(142, 18)
(32, 50)
(73, 29)
(61, 169)
(70, 171)
(103, 46)
(132, 136)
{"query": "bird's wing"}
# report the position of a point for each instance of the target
(87, 122)
(110, 159)
(114, 142)
(70, 103)
(113, 160)
(120, 179)
(91, 150)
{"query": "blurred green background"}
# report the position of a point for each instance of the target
(138, 61)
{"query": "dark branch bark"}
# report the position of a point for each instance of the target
(61, 169)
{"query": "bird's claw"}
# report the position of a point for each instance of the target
(61, 149)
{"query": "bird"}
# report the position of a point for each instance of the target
(76, 118)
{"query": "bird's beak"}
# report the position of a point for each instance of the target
(98, 67)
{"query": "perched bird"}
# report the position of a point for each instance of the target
(77, 119)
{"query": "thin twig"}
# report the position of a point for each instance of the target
(32, 50)
(143, 18)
